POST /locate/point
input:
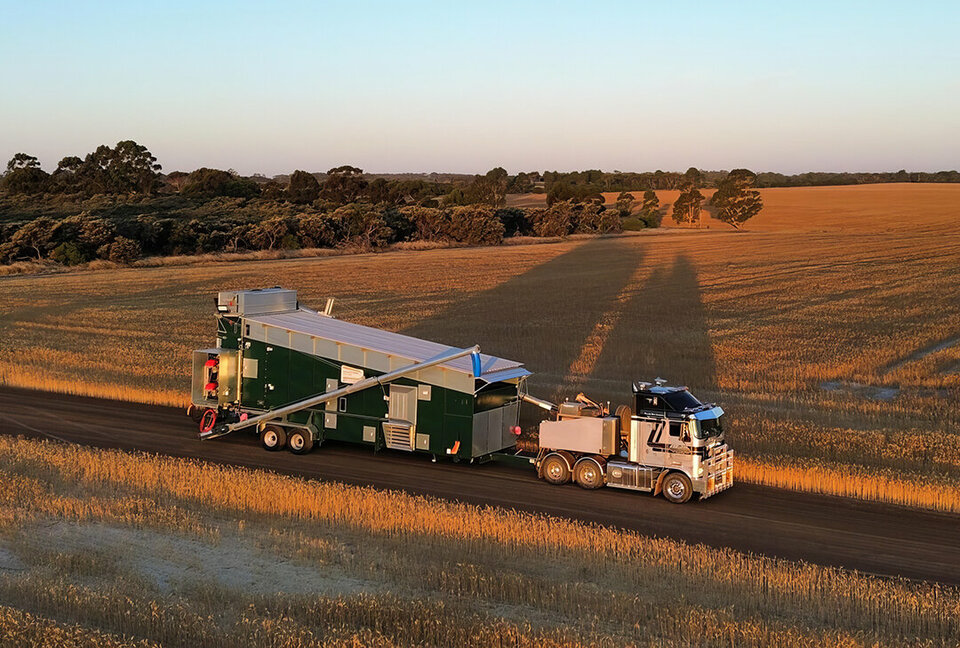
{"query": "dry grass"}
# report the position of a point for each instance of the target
(858, 287)
(392, 569)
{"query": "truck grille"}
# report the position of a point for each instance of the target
(718, 471)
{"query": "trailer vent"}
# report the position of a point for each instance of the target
(398, 436)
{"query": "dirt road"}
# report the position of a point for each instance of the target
(877, 538)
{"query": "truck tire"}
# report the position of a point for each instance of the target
(555, 469)
(273, 437)
(677, 488)
(300, 441)
(588, 473)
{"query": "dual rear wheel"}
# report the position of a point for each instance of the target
(587, 472)
(297, 440)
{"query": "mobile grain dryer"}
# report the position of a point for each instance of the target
(298, 377)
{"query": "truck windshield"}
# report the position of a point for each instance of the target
(708, 428)
(681, 400)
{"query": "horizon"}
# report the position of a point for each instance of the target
(400, 89)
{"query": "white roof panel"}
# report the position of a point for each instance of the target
(366, 337)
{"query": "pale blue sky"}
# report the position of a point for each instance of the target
(435, 86)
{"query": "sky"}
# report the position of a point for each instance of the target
(271, 87)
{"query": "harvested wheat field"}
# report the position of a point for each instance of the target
(111, 548)
(828, 331)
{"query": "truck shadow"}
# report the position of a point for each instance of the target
(543, 317)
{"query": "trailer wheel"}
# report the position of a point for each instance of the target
(588, 473)
(555, 469)
(273, 437)
(677, 488)
(300, 441)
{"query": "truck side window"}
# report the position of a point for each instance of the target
(675, 427)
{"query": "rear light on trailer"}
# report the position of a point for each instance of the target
(516, 430)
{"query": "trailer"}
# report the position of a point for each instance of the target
(298, 377)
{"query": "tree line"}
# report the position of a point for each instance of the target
(115, 203)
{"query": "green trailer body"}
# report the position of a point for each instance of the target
(271, 352)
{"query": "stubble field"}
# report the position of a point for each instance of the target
(828, 332)
(106, 548)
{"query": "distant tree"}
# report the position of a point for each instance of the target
(378, 191)
(429, 223)
(23, 161)
(596, 219)
(625, 203)
(520, 183)
(692, 177)
(475, 225)
(127, 168)
(37, 236)
(65, 178)
(177, 179)
(268, 233)
(215, 182)
(69, 164)
(556, 220)
(204, 181)
(688, 206)
(489, 189)
(24, 175)
(344, 184)
(364, 226)
(514, 221)
(303, 188)
(454, 198)
(68, 254)
(735, 200)
(94, 234)
(318, 231)
(402, 227)
(124, 250)
(651, 203)
(272, 190)
(650, 209)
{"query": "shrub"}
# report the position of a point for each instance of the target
(475, 225)
(69, 254)
(124, 250)
(556, 220)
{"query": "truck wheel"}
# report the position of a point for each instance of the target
(273, 437)
(588, 473)
(300, 441)
(555, 470)
(677, 488)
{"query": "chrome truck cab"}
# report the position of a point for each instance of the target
(669, 443)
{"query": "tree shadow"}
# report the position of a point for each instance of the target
(544, 316)
(663, 332)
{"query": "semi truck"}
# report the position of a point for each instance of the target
(297, 377)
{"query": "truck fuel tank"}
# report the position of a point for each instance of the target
(589, 435)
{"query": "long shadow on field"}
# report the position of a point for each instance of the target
(542, 317)
(663, 332)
